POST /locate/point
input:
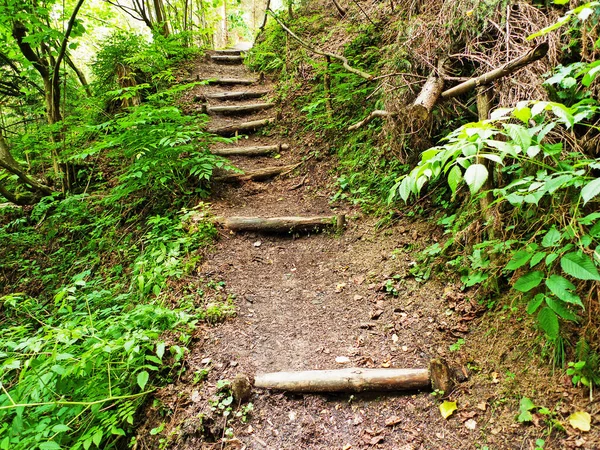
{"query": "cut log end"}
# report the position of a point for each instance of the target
(441, 376)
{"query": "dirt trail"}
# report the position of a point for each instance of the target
(304, 300)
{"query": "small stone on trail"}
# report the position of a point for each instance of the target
(257, 244)
(292, 416)
(206, 361)
(470, 424)
(404, 348)
(233, 363)
(376, 314)
(358, 297)
(340, 287)
(366, 325)
(342, 360)
(395, 338)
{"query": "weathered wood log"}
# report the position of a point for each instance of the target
(255, 175)
(226, 81)
(510, 67)
(227, 59)
(370, 117)
(250, 151)
(280, 225)
(229, 51)
(239, 95)
(425, 101)
(231, 130)
(437, 376)
(352, 379)
(239, 109)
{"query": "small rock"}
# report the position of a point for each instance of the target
(206, 361)
(358, 297)
(404, 348)
(257, 244)
(233, 364)
(292, 416)
(366, 325)
(395, 338)
(342, 359)
(376, 314)
(470, 424)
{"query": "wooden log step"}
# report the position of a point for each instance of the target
(227, 59)
(238, 109)
(239, 95)
(227, 81)
(228, 51)
(250, 151)
(232, 130)
(344, 380)
(255, 175)
(280, 225)
(437, 376)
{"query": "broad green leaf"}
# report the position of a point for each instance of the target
(523, 114)
(519, 134)
(142, 379)
(561, 309)
(160, 349)
(475, 177)
(548, 322)
(551, 238)
(60, 428)
(579, 266)
(447, 408)
(454, 178)
(535, 303)
(581, 420)
(559, 23)
(529, 281)
(97, 438)
(563, 114)
(551, 258)
(536, 258)
(519, 259)
(561, 287)
(50, 445)
(590, 190)
(525, 406)
(405, 188)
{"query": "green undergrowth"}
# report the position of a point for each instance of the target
(99, 291)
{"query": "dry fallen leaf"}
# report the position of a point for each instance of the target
(495, 379)
(470, 424)
(447, 408)
(391, 421)
(482, 406)
(376, 440)
(340, 287)
(580, 420)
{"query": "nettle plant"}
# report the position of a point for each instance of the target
(546, 184)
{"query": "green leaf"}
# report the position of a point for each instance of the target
(551, 238)
(548, 322)
(590, 190)
(535, 303)
(50, 445)
(160, 349)
(519, 259)
(525, 406)
(476, 176)
(97, 438)
(519, 134)
(405, 188)
(142, 379)
(536, 258)
(579, 266)
(523, 114)
(529, 281)
(561, 287)
(551, 258)
(454, 177)
(561, 309)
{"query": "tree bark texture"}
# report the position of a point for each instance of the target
(238, 109)
(280, 224)
(255, 175)
(250, 151)
(227, 81)
(232, 130)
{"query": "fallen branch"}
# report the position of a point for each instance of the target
(430, 92)
(510, 67)
(343, 60)
(370, 117)
(255, 175)
(231, 130)
(279, 225)
(250, 151)
(340, 8)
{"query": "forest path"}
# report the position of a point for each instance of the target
(304, 300)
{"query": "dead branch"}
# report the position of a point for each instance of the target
(370, 117)
(512, 66)
(343, 60)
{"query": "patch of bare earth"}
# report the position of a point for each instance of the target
(304, 300)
